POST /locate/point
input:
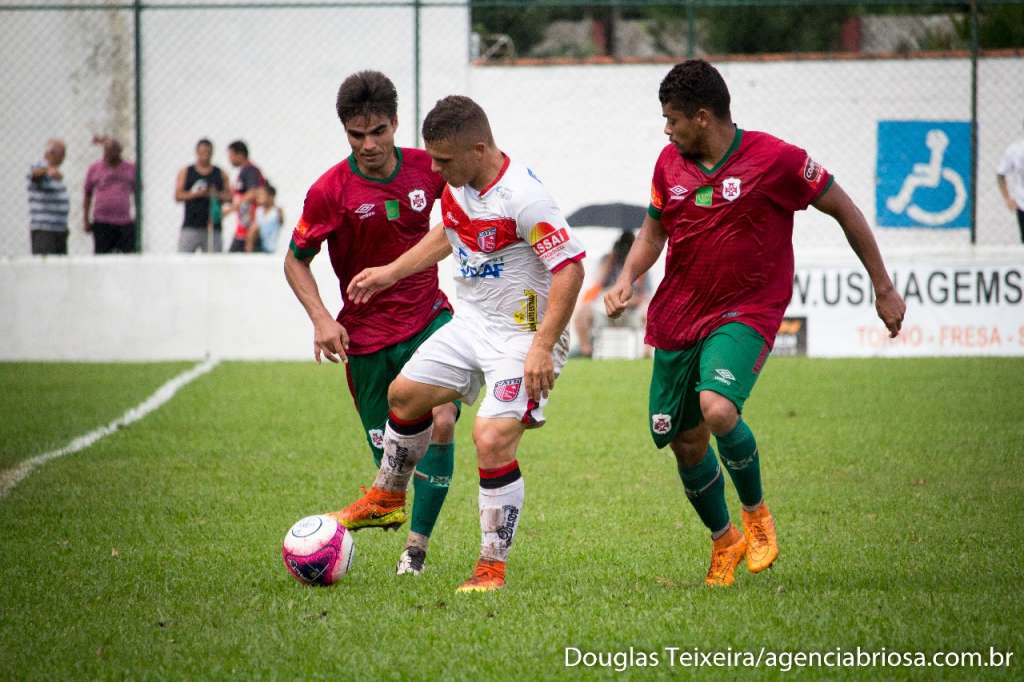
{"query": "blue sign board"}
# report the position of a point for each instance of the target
(923, 176)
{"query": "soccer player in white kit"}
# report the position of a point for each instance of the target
(518, 277)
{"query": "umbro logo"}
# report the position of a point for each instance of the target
(364, 211)
(725, 376)
(677, 192)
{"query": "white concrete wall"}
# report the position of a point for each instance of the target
(592, 133)
(163, 307)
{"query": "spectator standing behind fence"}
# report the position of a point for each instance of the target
(111, 180)
(202, 187)
(592, 310)
(249, 179)
(48, 202)
(269, 218)
(1010, 177)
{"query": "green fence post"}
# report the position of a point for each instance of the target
(974, 121)
(138, 124)
(691, 30)
(416, 70)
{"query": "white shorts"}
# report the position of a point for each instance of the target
(465, 357)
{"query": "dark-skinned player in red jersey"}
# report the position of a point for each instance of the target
(723, 199)
(370, 209)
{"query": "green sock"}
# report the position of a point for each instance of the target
(706, 491)
(739, 455)
(437, 466)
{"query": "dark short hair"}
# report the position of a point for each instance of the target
(367, 93)
(203, 141)
(239, 147)
(694, 85)
(622, 245)
(270, 189)
(457, 116)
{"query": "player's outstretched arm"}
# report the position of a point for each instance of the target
(329, 337)
(642, 255)
(888, 303)
(430, 250)
(539, 368)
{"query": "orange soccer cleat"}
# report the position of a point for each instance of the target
(762, 545)
(375, 509)
(487, 576)
(726, 554)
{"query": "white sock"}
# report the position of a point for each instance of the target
(401, 453)
(500, 509)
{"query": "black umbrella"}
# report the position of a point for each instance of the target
(622, 216)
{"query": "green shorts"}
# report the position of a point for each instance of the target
(727, 362)
(370, 375)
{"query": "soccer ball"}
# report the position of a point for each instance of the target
(318, 550)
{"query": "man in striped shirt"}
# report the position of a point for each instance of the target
(48, 202)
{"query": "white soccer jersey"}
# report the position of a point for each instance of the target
(508, 240)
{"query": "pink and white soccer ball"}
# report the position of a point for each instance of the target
(318, 550)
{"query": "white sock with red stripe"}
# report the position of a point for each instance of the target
(405, 443)
(501, 505)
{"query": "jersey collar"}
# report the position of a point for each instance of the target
(501, 173)
(736, 139)
(354, 167)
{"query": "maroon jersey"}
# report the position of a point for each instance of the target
(730, 237)
(368, 222)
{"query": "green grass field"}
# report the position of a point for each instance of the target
(898, 488)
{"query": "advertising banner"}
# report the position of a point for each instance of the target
(971, 309)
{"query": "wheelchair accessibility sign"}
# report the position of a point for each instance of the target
(923, 177)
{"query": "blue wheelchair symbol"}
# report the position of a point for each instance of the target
(923, 177)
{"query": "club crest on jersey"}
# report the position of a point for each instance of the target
(487, 239)
(661, 423)
(731, 189)
(507, 390)
(376, 438)
(417, 200)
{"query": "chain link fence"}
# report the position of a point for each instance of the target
(571, 87)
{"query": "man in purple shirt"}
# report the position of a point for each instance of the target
(111, 182)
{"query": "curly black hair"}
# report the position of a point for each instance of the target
(694, 85)
(367, 93)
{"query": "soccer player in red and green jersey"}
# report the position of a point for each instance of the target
(370, 209)
(723, 199)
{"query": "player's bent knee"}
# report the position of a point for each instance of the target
(444, 423)
(402, 399)
(494, 446)
(719, 412)
(688, 454)
(689, 446)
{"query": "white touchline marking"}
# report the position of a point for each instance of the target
(15, 475)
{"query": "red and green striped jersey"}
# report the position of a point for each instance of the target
(730, 237)
(368, 222)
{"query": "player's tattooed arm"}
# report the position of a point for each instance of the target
(642, 255)
(539, 368)
(427, 252)
(329, 337)
(888, 303)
